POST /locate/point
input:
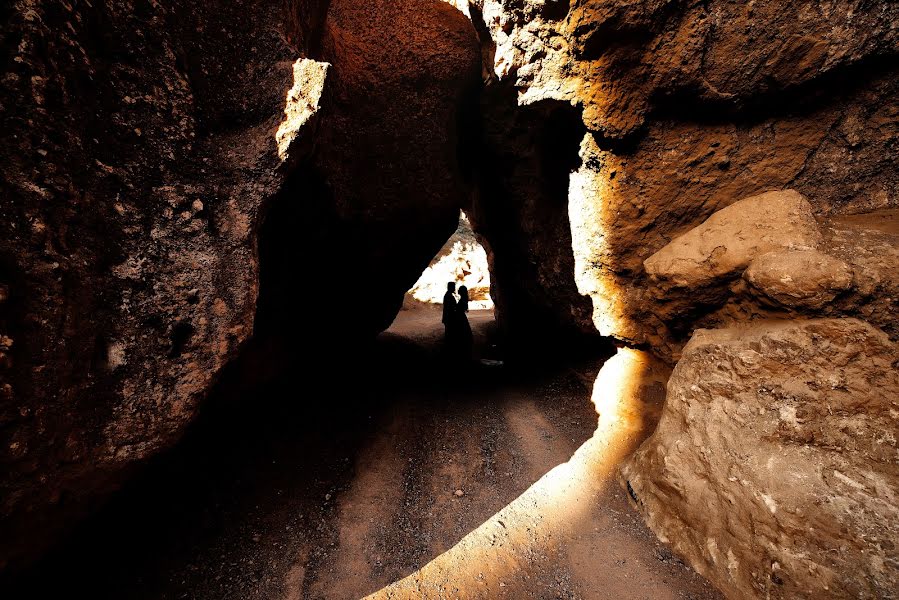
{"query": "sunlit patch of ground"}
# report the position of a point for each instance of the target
(573, 520)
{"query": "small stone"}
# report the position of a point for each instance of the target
(458, 493)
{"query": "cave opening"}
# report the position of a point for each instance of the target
(327, 443)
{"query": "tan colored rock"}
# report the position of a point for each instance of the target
(774, 469)
(617, 58)
(800, 278)
(665, 89)
(730, 239)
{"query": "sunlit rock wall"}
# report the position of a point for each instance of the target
(773, 469)
(687, 108)
(690, 112)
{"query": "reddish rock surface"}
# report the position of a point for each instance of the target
(138, 163)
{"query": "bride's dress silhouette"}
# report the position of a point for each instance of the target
(464, 336)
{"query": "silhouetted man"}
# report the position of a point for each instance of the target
(449, 310)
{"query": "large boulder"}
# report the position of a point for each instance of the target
(773, 470)
(725, 244)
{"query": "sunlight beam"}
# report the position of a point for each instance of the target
(626, 397)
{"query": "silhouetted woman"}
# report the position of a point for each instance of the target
(463, 328)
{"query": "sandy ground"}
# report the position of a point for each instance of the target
(400, 478)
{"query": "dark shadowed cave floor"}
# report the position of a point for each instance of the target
(342, 481)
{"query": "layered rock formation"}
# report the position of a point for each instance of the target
(143, 145)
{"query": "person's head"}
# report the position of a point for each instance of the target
(451, 286)
(463, 292)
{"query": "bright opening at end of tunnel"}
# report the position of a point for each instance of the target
(463, 260)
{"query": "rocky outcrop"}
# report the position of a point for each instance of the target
(143, 146)
(525, 157)
(737, 166)
(621, 60)
(773, 469)
(728, 241)
(684, 116)
(767, 257)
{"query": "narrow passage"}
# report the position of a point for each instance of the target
(384, 476)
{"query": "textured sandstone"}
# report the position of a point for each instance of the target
(805, 278)
(725, 244)
(689, 109)
(685, 116)
(149, 149)
(774, 466)
(853, 274)
(619, 59)
(138, 148)
(143, 146)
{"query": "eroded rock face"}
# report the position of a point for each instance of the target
(520, 211)
(685, 117)
(747, 262)
(143, 145)
(621, 60)
(773, 469)
(694, 115)
(728, 241)
(135, 163)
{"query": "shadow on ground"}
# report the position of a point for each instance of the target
(332, 480)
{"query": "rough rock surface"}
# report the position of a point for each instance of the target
(805, 278)
(690, 110)
(773, 469)
(137, 151)
(695, 280)
(728, 241)
(620, 59)
(685, 116)
(142, 147)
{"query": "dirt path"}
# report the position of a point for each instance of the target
(362, 498)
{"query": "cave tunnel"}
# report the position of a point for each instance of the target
(230, 365)
(345, 431)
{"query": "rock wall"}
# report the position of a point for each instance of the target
(159, 160)
(525, 156)
(687, 108)
(737, 168)
(143, 145)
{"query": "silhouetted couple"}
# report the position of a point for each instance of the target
(458, 331)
